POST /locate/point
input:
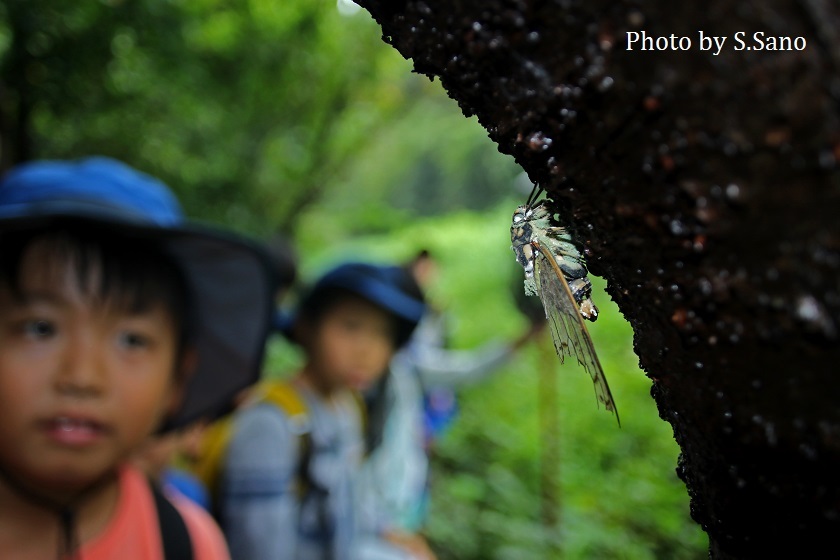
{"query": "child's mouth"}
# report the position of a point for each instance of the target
(358, 382)
(74, 431)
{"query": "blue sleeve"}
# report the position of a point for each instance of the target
(259, 501)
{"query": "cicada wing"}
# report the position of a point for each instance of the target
(571, 338)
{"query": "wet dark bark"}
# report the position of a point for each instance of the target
(705, 189)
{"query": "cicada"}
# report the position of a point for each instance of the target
(555, 271)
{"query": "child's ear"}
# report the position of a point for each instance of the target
(184, 370)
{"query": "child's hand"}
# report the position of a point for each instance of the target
(413, 543)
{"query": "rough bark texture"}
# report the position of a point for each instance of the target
(705, 189)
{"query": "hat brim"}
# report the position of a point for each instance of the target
(231, 286)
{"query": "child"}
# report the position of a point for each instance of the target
(117, 319)
(283, 497)
(420, 400)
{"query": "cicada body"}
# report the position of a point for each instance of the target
(555, 271)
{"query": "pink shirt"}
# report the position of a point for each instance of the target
(133, 533)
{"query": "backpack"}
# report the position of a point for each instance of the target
(214, 442)
(207, 466)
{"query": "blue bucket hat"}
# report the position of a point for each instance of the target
(229, 277)
(391, 288)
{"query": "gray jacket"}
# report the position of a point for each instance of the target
(278, 502)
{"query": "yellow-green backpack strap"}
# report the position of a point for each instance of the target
(284, 396)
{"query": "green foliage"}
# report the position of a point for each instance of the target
(619, 496)
(252, 110)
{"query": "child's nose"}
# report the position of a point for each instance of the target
(371, 347)
(82, 369)
(368, 340)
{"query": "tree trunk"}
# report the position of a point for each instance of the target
(704, 186)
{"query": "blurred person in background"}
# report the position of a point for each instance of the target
(164, 457)
(411, 407)
(287, 481)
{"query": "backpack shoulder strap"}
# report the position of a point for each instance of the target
(287, 398)
(174, 534)
(217, 436)
(284, 396)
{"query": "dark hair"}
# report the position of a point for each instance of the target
(421, 255)
(131, 272)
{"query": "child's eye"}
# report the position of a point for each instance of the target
(38, 328)
(135, 340)
(351, 324)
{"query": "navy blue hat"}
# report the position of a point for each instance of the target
(390, 287)
(229, 277)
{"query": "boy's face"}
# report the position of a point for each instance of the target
(352, 345)
(82, 382)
